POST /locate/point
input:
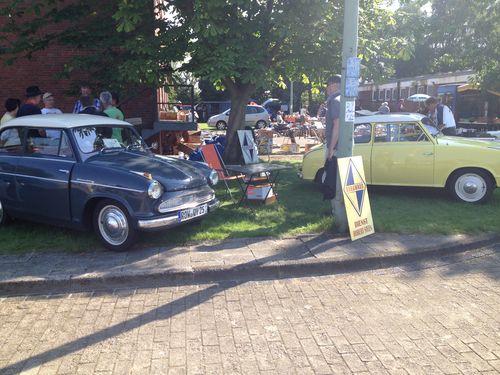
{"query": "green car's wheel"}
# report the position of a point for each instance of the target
(471, 185)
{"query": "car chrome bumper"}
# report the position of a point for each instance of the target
(172, 220)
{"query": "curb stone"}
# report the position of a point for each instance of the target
(246, 272)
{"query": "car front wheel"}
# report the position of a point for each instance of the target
(112, 225)
(471, 185)
(220, 125)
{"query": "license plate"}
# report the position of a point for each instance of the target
(191, 213)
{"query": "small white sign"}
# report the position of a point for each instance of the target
(349, 111)
(111, 143)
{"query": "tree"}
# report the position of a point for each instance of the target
(245, 44)
(106, 52)
(452, 36)
(238, 45)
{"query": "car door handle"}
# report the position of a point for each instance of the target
(63, 170)
(428, 153)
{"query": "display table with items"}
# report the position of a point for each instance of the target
(260, 183)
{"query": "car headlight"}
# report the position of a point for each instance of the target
(213, 178)
(155, 190)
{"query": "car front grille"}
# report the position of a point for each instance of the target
(186, 200)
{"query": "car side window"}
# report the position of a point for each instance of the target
(43, 141)
(250, 110)
(362, 133)
(386, 133)
(11, 140)
(412, 133)
(65, 149)
(260, 110)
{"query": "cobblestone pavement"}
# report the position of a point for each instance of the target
(429, 318)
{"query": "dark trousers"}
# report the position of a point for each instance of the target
(449, 131)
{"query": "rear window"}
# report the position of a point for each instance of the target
(11, 140)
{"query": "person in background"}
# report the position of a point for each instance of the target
(85, 90)
(11, 106)
(279, 117)
(401, 105)
(109, 108)
(441, 116)
(88, 107)
(116, 102)
(384, 108)
(49, 102)
(33, 99)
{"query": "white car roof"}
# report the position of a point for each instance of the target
(389, 117)
(64, 121)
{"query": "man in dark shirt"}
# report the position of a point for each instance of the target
(88, 107)
(332, 123)
(30, 107)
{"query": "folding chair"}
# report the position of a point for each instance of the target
(212, 157)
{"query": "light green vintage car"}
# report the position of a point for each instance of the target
(406, 150)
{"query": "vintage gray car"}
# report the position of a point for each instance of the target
(84, 171)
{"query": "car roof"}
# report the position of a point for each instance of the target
(64, 121)
(390, 117)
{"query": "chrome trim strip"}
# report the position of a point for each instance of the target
(35, 177)
(85, 182)
(158, 223)
(43, 158)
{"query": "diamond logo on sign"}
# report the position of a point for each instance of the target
(355, 188)
(248, 147)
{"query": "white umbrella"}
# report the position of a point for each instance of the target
(418, 98)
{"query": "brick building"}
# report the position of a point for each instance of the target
(41, 71)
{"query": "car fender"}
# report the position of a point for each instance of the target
(85, 211)
(451, 159)
(90, 182)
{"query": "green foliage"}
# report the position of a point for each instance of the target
(116, 46)
(448, 36)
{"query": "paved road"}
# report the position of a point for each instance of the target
(434, 317)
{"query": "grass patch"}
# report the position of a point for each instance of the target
(205, 126)
(301, 210)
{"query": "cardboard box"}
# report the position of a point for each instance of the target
(259, 192)
(269, 200)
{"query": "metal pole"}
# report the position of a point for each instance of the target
(344, 147)
(290, 107)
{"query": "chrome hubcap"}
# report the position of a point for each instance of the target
(470, 187)
(113, 225)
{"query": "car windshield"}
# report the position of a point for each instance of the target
(98, 138)
(429, 125)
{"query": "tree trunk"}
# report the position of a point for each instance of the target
(239, 99)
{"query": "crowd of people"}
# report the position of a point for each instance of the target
(38, 102)
(439, 113)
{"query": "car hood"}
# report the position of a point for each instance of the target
(462, 141)
(174, 174)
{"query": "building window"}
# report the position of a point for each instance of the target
(374, 94)
(388, 94)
